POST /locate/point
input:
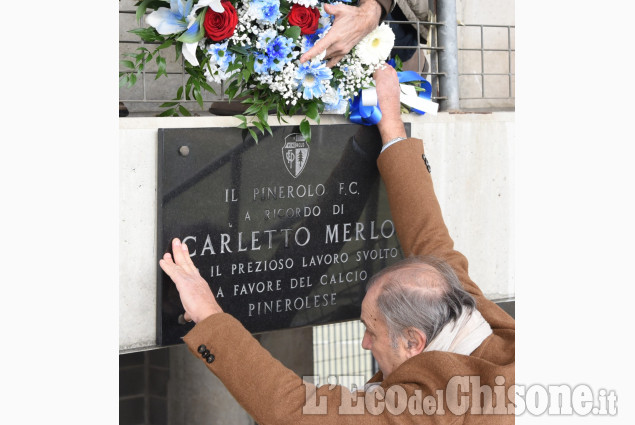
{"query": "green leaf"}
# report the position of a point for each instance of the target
(133, 79)
(241, 50)
(253, 134)
(162, 67)
(305, 129)
(141, 9)
(293, 109)
(259, 126)
(231, 92)
(293, 32)
(184, 111)
(177, 50)
(285, 7)
(250, 63)
(198, 97)
(191, 36)
(127, 64)
(165, 45)
(267, 127)
(233, 66)
(207, 87)
(252, 109)
(312, 112)
(188, 88)
(167, 112)
(168, 104)
(123, 79)
(147, 34)
(262, 113)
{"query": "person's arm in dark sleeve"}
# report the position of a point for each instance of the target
(386, 7)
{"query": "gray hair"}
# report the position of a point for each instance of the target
(421, 292)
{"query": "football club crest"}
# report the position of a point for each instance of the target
(295, 153)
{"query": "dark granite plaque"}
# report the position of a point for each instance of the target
(286, 233)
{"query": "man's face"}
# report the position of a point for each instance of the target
(376, 338)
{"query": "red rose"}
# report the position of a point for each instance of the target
(304, 17)
(220, 26)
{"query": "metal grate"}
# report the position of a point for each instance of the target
(486, 56)
(338, 352)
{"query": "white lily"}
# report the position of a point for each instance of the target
(182, 16)
(213, 4)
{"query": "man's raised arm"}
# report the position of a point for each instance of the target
(351, 24)
(413, 204)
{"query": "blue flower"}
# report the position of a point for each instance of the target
(265, 10)
(265, 38)
(262, 63)
(310, 39)
(218, 54)
(312, 78)
(280, 51)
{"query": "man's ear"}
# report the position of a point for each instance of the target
(415, 341)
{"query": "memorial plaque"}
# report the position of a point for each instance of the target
(287, 233)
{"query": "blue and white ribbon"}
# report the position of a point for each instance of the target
(419, 101)
(365, 106)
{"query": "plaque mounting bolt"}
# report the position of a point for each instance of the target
(184, 150)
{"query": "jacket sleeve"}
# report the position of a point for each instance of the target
(386, 7)
(418, 220)
(275, 395)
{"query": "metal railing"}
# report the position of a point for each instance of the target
(509, 52)
(337, 351)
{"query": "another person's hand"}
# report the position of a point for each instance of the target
(388, 95)
(196, 296)
(351, 24)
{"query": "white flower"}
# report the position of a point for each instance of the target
(306, 3)
(376, 46)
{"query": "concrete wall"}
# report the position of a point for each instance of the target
(472, 159)
(494, 91)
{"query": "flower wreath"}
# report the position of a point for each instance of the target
(255, 46)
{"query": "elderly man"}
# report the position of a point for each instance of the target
(445, 352)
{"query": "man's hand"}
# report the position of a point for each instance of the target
(351, 24)
(388, 94)
(197, 299)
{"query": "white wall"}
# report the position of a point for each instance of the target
(472, 159)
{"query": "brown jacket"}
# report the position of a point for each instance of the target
(273, 394)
